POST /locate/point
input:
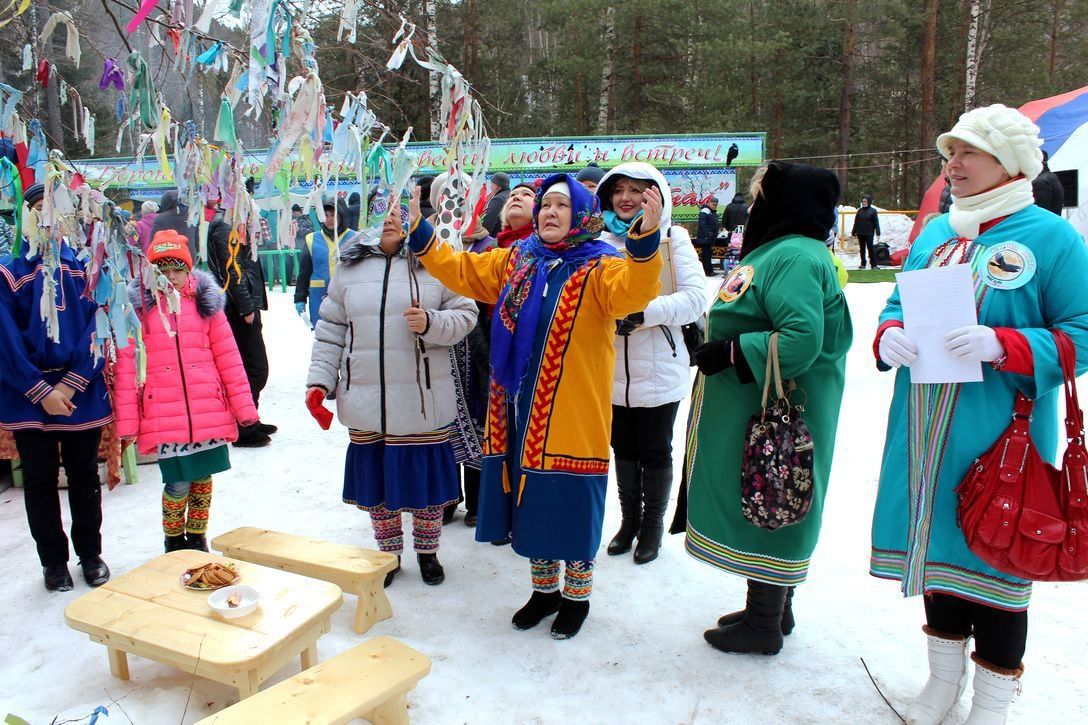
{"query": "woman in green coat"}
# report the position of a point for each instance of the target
(785, 283)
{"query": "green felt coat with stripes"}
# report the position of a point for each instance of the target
(935, 432)
(794, 290)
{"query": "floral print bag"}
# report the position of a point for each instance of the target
(776, 469)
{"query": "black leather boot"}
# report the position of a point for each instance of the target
(572, 614)
(539, 606)
(432, 571)
(391, 575)
(58, 579)
(760, 627)
(628, 481)
(95, 571)
(787, 615)
(656, 485)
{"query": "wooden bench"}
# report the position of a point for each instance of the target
(356, 570)
(371, 681)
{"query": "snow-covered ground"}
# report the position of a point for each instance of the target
(640, 658)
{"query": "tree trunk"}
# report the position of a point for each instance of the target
(608, 75)
(929, 62)
(473, 31)
(637, 72)
(435, 94)
(971, 61)
(846, 103)
(753, 84)
(1055, 26)
(777, 148)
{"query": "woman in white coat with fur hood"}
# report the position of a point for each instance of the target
(652, 368)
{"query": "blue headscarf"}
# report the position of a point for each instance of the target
(517, 314)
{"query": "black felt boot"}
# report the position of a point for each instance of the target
(572, 613)
(787, 615)
(656, 485)
(539, 606)
(389, 576)
(174, 543)
(760, 627)
(629, 483)
(432, 571)
(196, 542)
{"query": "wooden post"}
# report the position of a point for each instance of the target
(118, 663)
(309, 656)
(393, 711)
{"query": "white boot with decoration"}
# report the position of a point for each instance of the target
(947, 679)
(994, 689)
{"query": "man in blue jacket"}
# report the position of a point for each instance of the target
(53, 399)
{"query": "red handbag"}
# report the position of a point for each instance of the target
(1018, 513)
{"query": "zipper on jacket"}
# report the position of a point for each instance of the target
(381, 338)
(181, 369)
(351, 338)
(627, 371)
(348, 382)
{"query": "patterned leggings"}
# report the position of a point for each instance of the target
(426, 528)
(194, 496)
(577, 579)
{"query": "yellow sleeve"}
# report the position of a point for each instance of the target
(623, 286)
(476, 275)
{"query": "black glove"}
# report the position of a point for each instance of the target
(630, 323)
(714, 356)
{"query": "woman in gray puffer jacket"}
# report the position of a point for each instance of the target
(382, 344)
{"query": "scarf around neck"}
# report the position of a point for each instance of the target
(967, 214)
(507, 237)
(517, 314)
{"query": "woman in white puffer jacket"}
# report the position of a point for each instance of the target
(652, 369)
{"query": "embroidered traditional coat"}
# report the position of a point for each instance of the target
(545, 466)
(789, 286)
(935, 432)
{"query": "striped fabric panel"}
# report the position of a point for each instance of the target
(58, 427)
(362, 437)
(691, 446)
(958, 582)
(39, 391)
(783, 572)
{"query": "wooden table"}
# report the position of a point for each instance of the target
(147, 612)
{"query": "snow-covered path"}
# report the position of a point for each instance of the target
(640, 657)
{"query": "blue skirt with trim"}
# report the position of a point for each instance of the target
(402, 473)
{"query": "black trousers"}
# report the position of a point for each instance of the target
(865, 244)
(250, 341)
(644, 435)
(41, 454)
(472, 489)
(1001, 636)
(706, 259)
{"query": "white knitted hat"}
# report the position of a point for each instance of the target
(1004, 133)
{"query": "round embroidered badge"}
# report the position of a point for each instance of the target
(737, 283)
(1009, 265)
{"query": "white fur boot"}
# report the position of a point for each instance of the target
(994, 689)
(947, 679)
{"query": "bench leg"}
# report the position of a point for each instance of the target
(373, 605)
(309, 656)
(393, 711)
(248, 685)
(118, 663)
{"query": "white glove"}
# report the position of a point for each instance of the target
(896, 349)
(975, 343)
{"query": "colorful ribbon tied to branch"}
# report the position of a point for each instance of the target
(145, 9)
(112, 75)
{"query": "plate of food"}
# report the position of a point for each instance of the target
(209, 576)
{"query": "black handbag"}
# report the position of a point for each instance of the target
(694, 335)
(776, 476)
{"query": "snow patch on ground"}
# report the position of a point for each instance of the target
(640, 658)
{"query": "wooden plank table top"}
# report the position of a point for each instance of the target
(147, 612)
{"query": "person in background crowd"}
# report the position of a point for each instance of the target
(946, 193)
(557, 296)
(53, 398)
(590, 176)
(652, 373)
(317, 263)
(736, 213)
(936, 431)
(1048, 190)
(382, 344)
(424, 183)
(786, 284)
(241, 276)
(196, 395)
(500, 192)
(866, 225)
(174, 216)
(351, 215)
(148, 211)
(707, 233)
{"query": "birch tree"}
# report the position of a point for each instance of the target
(608, 73)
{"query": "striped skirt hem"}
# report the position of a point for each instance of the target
(759, 567)
(947, 579)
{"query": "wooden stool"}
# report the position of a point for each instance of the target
(356, 570)
(371, 681)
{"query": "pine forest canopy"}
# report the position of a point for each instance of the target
(860, 87)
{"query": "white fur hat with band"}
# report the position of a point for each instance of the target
(1004, 133)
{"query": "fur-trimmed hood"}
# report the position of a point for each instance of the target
(355, 248)
(202, 287)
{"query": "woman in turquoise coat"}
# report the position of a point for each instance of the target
(1029, 268)
(785, 283)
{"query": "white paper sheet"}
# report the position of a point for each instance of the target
(936, 301)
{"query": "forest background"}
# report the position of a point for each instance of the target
(862, 87)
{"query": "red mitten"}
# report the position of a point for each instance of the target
(314, 399)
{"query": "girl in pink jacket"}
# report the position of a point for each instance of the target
(195, 394)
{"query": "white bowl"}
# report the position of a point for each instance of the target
(250, 597)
